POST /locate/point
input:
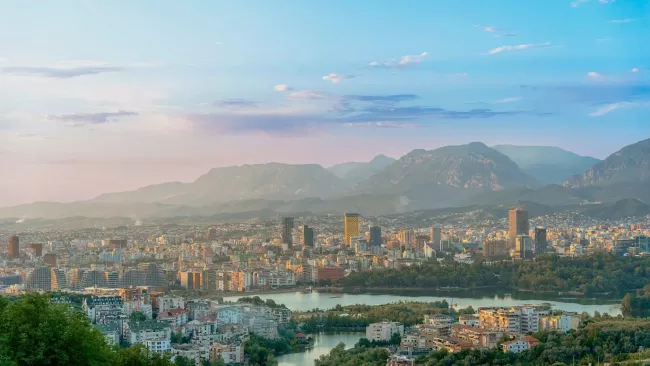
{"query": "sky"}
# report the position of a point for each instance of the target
(103, 96)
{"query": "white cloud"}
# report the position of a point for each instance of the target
(336, 78)
(486, 28)
(634, 69)
(606, 1)
(595, 75)
(621, 21)
(310, 95)
(508, 100)
(517, 47)
(405, 61)
(619, 105)
(502, 35)
(577, 3)
(282, 88)
(461, 74)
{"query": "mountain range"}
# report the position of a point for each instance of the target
(451, 176)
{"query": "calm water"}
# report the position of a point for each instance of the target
(323, 345)
(299, 301)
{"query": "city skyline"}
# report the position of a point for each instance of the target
(167, 92)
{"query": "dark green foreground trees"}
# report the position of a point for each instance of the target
(34, 331)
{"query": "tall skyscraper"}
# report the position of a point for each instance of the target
(406, 237)
(541, 241)
(518, 225)
(14, 246)
(524, 247)
(375, 238)
(287, 230)
(435, 235)
(307, 236)
(212, 234)
(350, 227)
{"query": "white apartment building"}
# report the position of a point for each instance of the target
(159, 345)
(383, 331)
(168, 302)
(141, 332)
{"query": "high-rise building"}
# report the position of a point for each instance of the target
(307, 236)
(524, 247)
(287, 229)
(375, 238)
(191, 280)
(212, 234)
(518, 225)
(50, 259)
(435, 235)
(14, 246)
(406, 237)
(495, 248)
(350, 227)
(541, 241)
(36, 248)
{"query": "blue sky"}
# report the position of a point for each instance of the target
(100, 96)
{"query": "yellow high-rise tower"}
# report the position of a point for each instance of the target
(350, 227)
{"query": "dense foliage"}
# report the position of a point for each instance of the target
(604, 339)
(637, 304)
(596, 274)
(261, 351)
(356, 318)
(36, 331)
(257, 301)
(339, 356)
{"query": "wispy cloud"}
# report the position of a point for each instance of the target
(508, 100)
(380, 111)
(236, 103)
(337, 78)
(605, 109)
(63, 70)
(405, 61)
(634, 69)
(282, 88)
(595, 75)
(622, 21)
(486, 28)
(606, 1)
(461, 74)
(311, 95)
(503, 35)
(518, 47)
(81, 119)
(577, 3)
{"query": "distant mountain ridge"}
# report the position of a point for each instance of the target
(356, 172)
(471, 166)
(630, 164)
(451, 176)
(547, 164)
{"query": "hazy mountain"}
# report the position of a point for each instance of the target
(448, 173)
(264, 181)
(152, 193)
(547, 164)
(356, 172)
(630, 164)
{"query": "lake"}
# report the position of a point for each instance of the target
(299, 301)
(323, 345)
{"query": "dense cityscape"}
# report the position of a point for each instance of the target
(163, 287)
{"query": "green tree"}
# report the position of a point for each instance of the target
(138, 316)
(183, 361)
(34, 331)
